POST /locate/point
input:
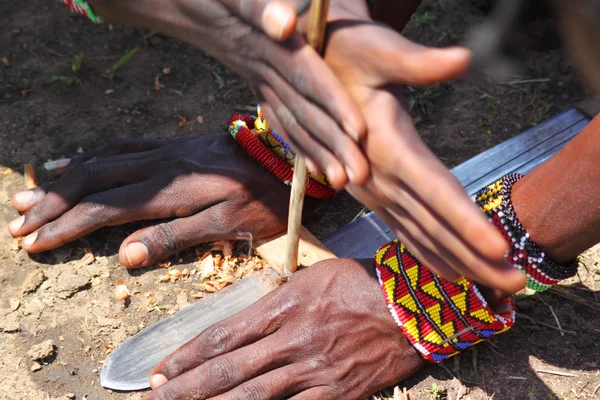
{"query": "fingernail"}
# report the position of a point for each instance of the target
(136, 253)
(15, 225)
(157, 380)
(28, 241)
(353, 133)
(23, 198)
(52, 165)
(275, 19)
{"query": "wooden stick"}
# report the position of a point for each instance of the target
(316, 39)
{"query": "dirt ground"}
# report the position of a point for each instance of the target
(54, 297)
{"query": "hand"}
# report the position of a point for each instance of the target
(326, 334)
(409, 188)
(300, 93)
(210, 187)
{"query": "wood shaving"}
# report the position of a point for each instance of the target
(157, 85)
(31, 180)
(88, 257)
(121, 291)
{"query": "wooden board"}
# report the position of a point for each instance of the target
(522, 153)
(310, 250)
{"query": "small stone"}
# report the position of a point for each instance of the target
(32, 281)
(9, 323)
(35, 367)
(14, 304)
(42, 351)
(5, 62)
(69, 283)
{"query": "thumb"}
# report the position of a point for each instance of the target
(277, 18)
(406, 62)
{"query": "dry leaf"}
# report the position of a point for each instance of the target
(185, 273)
(164, 264)
(7, 171)
(183, 121)
(165, 278)
(80, 150)
(197, 295)
(199, 120)
(31, 180)
(5, 62)
(211, 287)
(26, 92)
(107, 349)
(109, 91)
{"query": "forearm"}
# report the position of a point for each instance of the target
(559, 202)
(161, 15)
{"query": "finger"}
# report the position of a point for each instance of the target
(277, 384)
(322, 128)
(26, 199)
(434, 234)
(113, 148)
(234, 370)
(277, 18)
(413, 239)
(461, 261)
(319, 392)
(407, 62)
(301, 140)
(156, 243)
(71, 188)
(306, 72)
(425, 175)
(249, 326)
(141, 201)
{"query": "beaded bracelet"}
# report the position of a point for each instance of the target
(542, 273)
(82, 7)
(278, 146)
(239, 128)
(440, 318)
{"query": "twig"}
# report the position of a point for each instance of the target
(546, 325)
(524, 81)
(546, 371)
(520, 378)
(554, 315)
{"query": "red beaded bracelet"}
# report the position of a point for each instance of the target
(239, 127)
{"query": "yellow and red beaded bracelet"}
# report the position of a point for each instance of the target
(440, 318)
(240, 126)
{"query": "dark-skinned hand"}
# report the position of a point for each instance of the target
(409, 188)
(304, 95)
(208, 184)
(325, 334)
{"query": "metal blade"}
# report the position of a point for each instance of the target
(128, 367)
